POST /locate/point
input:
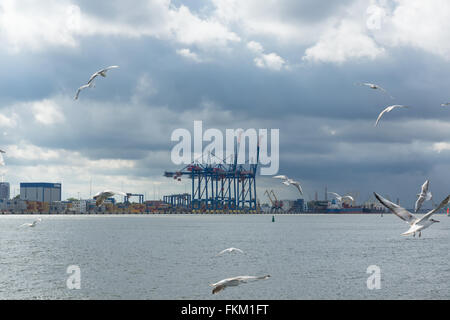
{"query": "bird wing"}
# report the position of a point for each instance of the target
(444, 202)
(238, 250)
(402, 213)
(298, 187)
(349, 197)
(286, 183)
(381, 114)
(222, 252)
(93, 76)
(281, 177)
(335, 194)
(1, 151)
(419, 203)
(411, 230)
(218, 288)
(425, 187)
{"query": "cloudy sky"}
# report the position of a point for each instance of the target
(287, 64)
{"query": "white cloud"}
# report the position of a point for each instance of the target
(270, 61)
(47, 112)
(34, 25)
(189, 54)
(343, 42)
(417, 23)
(37, 25)
(254, 46)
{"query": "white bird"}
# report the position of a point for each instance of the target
(31, 224)
(341, 198)
(103, 195)
(287, 181)
(89, 85)
(424, 195)
(101, 73)
(388, 109)
(232, 282)
(230, 250)
(375, 87)
(2, 161)
(416, 224)
(445, 104)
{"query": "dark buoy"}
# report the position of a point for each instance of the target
(273, 218)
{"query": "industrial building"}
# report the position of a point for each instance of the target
(40, 191)
(4, 190)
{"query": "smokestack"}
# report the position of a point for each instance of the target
(315, 196)
(326, 193)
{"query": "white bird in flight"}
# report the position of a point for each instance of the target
(424, 195)
(445, 104)
(341, 198)
(230, 250)
(375, 87)
(103, 195)
(2, 161)
(90, 83)
(101, 73)
(232, 282)
(287, 181)
(388, 109)
(31, 224)
(416, 224)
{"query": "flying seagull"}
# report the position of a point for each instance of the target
(31, 224)
(287, 181)
(2, 162)
(375, 87)
(340, 198)
(232, 282)
(230, 250)
(424, 195)
(416, 224)
(89, 85)
(388, 109)
(103, 195)
(101, 73)
(445, 104)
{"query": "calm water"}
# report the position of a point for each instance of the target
(173, 257)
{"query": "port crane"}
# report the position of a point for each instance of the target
(126, 199)
(276, 205)
(221, 186)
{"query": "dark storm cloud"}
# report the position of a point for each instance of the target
(325, 120)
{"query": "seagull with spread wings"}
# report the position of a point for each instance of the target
(287, 181)
(230, 250)
(424, 195)
(103, 195)
(341, 198)
(90, 83)
(232, 282)
(388, 109)
(416, 224)
(376, 87)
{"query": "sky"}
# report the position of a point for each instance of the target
(291, 65)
